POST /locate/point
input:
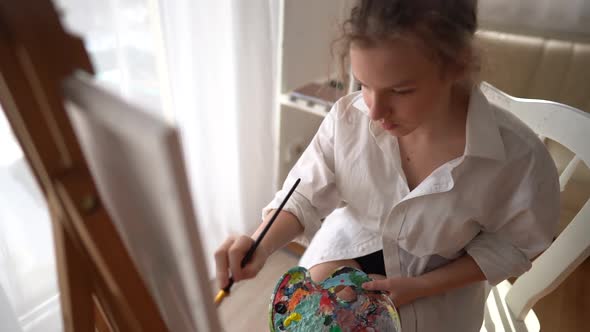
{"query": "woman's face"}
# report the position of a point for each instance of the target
(403, 88)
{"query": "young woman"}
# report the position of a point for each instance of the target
(423, 183)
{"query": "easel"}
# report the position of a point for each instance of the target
(100, 287)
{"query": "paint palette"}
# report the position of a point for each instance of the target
(298, 304)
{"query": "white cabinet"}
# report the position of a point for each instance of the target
(307, 29)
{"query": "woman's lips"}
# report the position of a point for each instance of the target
(389, 125)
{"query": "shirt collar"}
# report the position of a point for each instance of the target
(483, 137)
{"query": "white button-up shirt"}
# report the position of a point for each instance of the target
(499, 203)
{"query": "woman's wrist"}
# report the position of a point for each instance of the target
(459, 273)
(264, 247)
(424, 286)
(265, 251)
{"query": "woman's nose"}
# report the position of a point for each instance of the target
(378, 108)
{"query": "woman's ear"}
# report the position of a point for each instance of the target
(465, 65)
(460, 69)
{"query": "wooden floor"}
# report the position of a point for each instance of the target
(567, 309)
(246, 309)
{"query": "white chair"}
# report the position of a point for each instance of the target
(509, 307)
(8, 319)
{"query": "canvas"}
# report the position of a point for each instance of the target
(136, 161)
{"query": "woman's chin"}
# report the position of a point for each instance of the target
(399, 131)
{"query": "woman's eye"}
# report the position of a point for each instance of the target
(403, 91)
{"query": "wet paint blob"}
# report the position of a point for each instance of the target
(281, 307)
(298, 304)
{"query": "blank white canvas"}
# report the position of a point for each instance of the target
(137, 164)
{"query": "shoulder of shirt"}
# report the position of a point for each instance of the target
(520, 141)
(345, 107)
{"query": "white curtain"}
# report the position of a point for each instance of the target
(123, 40)
(28, 281)
(210, 67)
(220, 56)
(207, 64)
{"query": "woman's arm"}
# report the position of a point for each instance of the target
(457, 274)
(285, 228)
(404, 290)
(229, 255)
(316, 197)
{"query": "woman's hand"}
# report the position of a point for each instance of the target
(228, 259)
(401, 290)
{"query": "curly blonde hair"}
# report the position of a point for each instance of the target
(445, 29)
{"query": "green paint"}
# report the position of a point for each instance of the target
(309, 314)
(358, 279)
(296, 276)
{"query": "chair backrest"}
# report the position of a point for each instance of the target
(8, 321)
(571, 128)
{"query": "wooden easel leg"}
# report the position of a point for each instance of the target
(74, 283)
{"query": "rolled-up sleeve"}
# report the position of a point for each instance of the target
(317, 194)
(522, 226)
(497, 258)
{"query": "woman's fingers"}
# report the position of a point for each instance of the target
(254, 265)
(222, 262)
(236, 253)
(401, 290)
(228, 260)
(378, 285)
(377, 276)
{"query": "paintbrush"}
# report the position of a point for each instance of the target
(225, 291)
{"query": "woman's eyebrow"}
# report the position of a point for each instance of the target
(403, 83)
(399, 84)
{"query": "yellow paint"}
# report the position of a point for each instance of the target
(392, 312)
(296, 277)
(292, 317)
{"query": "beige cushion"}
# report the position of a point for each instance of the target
(538, 67)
